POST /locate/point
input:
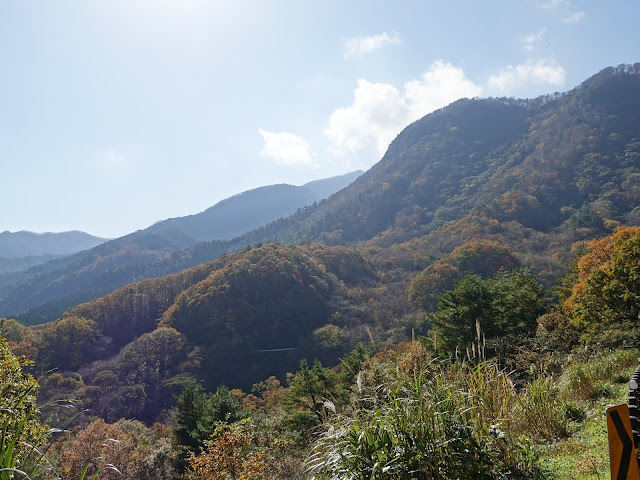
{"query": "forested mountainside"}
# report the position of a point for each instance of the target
(535, 175)
(65, 282)
(500, 375)
(246, 316)
(534, 162)
(243, 317)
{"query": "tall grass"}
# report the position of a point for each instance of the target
(438, 423)
(539, 411)
(17, 456)
(486, 392)
(593, 378)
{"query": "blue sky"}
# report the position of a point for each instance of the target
(116, 114)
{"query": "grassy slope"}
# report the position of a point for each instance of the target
(585, 454)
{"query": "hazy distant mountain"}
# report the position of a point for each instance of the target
(20, 264)
(80, 277)
(246, 211)
(30, 244)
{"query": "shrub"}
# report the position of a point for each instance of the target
(577, 381)
(125, 449)
(592, 378)
(232, 452)
(574, 412)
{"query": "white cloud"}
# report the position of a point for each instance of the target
(360, 46)
(542, 71)
(438, 87)
(565, 5)
(286, 149)
(574, 17)
(534, 37)
(529, 41)
(380, 111)
(377, 111)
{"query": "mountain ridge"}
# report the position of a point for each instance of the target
(257, 206)
(395, 166)
(100, 270)
(31, 244)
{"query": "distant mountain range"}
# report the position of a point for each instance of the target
(30, 244)
(76, 278)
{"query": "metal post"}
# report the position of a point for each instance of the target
(634, 404)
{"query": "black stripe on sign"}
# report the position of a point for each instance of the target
(627, 446)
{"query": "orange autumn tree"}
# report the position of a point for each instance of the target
(113, 451)
(481, 257)
(232, 454)
(605, 298)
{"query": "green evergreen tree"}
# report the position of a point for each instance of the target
(506, 304)
(198, 414)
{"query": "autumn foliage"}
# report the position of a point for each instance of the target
(605, 300)
(481, 257)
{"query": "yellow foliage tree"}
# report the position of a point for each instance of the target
(605, 298)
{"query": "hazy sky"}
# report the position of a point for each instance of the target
(117, 113)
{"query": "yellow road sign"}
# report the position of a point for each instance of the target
(622, 452)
